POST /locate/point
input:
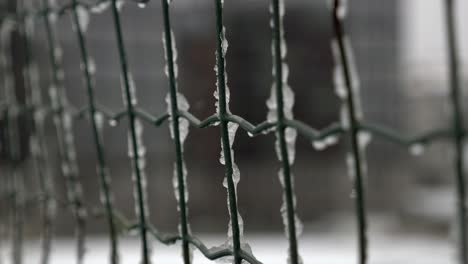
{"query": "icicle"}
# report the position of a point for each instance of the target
(174, 55)
(132, 88)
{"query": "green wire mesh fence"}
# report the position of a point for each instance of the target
(352, 127)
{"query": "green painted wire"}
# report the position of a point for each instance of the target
(224, 123)
(352, 106)
(458, 127)
(356, 126)
(103, 172)
(142, 210)
(174, 109)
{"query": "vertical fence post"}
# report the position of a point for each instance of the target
(353, 115)
(135, 129)
(96, 121)
(458, 127)
(63, 122)
(174, 98)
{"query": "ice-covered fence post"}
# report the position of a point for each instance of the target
(136, 148)
(179, 130)
(37, 139)
(280, 106)
(458, 127)
(80, 18)
(16, 181)
(63, 122)
(228, 131)
(347, 83)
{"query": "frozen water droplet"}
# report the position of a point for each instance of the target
(417, 149)
(224, 42)
(364, 139)
(99, 119)
(91, 66)
(351, 165)
(342, 9)
(113, 122)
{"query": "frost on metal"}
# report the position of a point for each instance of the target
(232, 129)
(224, 47)
(183, 128)
(347, 88)
(138, 164)
(273, 103)
(64, 125)
(136, 144)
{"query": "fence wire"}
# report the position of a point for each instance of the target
(352, 127)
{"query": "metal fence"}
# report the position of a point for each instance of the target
(34, 111)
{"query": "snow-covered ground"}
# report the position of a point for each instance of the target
(319, 248)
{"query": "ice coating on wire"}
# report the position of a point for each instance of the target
(228, 131)
(280, 107)
(346, 78)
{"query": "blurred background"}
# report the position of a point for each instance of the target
(400, 52)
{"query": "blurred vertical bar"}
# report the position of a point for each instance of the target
(96, 121)
(63, 121)
(14, 92)
(458, 127)
(37, 140)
